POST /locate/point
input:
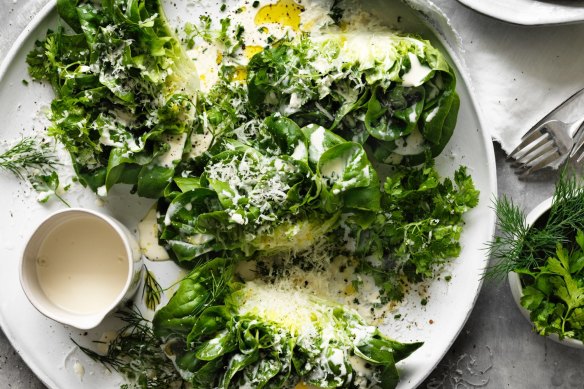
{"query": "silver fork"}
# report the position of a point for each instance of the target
(548, 143)
(550, 140)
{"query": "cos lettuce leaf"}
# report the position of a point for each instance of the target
(280, 196)
(255, 335)
(394, 93)
(124, 90)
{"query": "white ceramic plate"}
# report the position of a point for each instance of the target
(530, 12)
(46, 346)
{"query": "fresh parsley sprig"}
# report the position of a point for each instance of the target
(554, 292)
(47, 185)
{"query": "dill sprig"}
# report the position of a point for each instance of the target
(152, 290)
(137, 354)
(30, 155)
(519, 246)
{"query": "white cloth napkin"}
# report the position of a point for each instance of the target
(518, 74)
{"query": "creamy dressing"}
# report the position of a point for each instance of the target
(300, 152)
(316, 147)
(82, 265)
(174, 153)
(148, 235)
(411, 145)
(205, 58)
(237, 218)
(417, 73)
(79, 370)
(200, 144)
(334, 168)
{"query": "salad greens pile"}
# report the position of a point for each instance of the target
(320, 146)
(124, 90)
(371, 88)
(278, 195)
(393, 94)
(224, 334)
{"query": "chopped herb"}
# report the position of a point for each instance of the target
(47, 185)
(152, 291)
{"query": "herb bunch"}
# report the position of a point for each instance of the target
(138, 354)
(521, 247)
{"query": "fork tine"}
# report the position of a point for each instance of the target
(534, 153)
(578, 143)
(528, 143)
(541, 163)
(535, 159)
(580, 156)
(536, 129)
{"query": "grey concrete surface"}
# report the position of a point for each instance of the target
(496, 349)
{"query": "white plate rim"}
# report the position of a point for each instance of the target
(10, 56)
(463, 75)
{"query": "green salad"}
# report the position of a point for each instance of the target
(320, 146)
(227, 334)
